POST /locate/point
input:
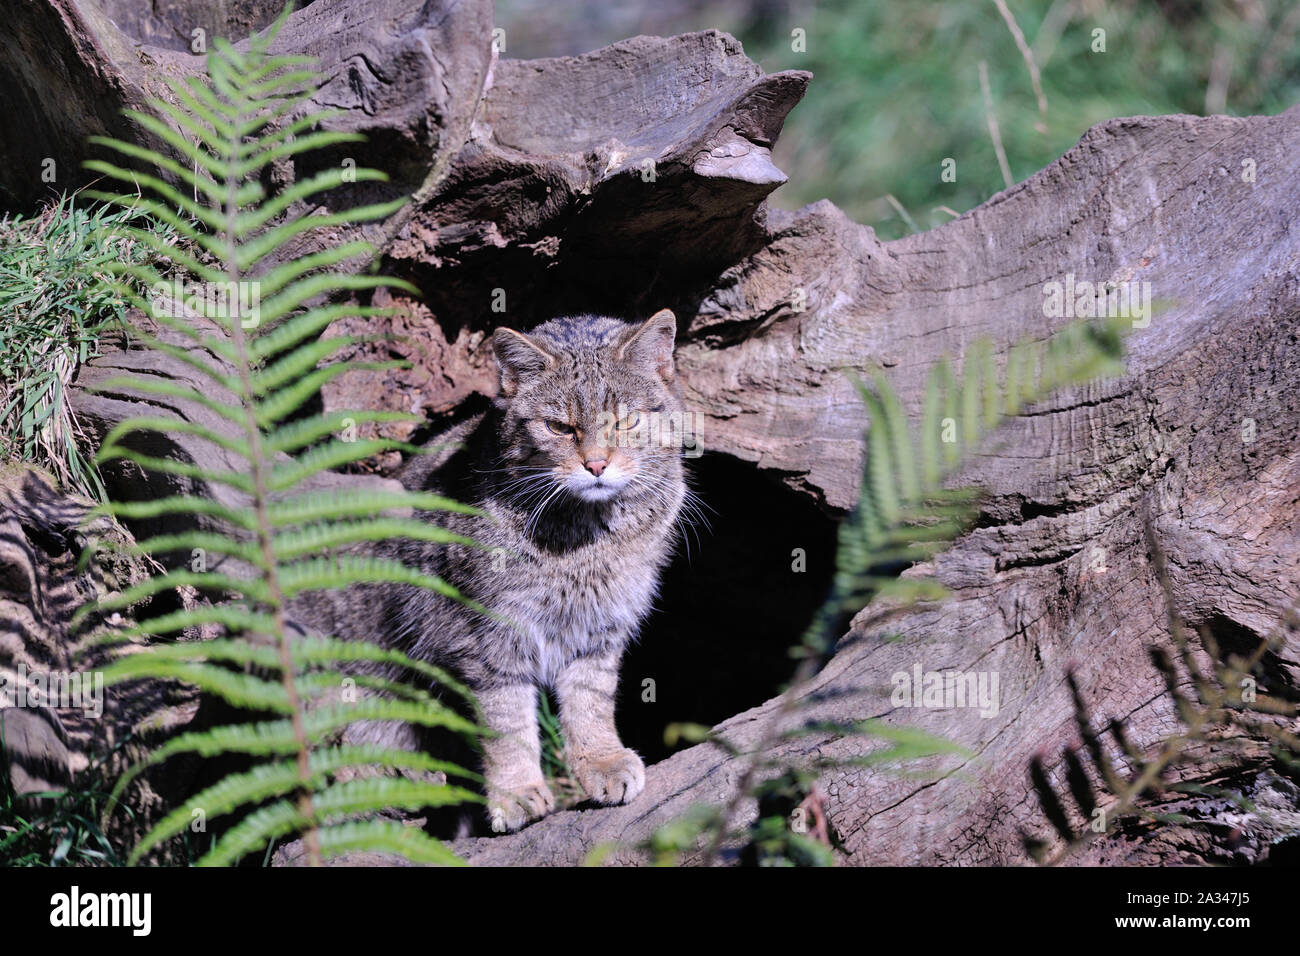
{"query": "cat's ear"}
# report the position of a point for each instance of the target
(518, 357)
(651, 344)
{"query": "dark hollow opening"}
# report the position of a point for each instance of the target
(728, 612)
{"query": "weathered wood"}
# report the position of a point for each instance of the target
(1056, 575)
(406, 73)
(536, 190)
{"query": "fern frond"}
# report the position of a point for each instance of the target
(241, 690)
(272, 822)
(296, 364)
(177, 504)
(207, 541)
(182, 469)
(372, 794)
(289, 134)
(203, 580)
(314, 651)
(883, 477)
(314, 539)
(204, 184)
(224, 130)
(164, 425)
(275, 408)
(296, 294)
(278, 738)
(270, 240)
(218, 650)
(170, 193)
(900, 438)
(185, 326)
(215, 167)
(284, 275)
(267, 781)
(250, 222)
(352, 503)
(306, 431)
(278, 146)
(903, 517)
(231, 413)
(194, 359)
(384, 836)
(202, 107)
(163, 213)
(344, 569)
(290, 332)
(328, 456)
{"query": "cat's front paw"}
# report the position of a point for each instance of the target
(612, 777)
(509, 810)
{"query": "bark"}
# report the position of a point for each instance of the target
(636, 177)
(406, 74)
(1056, 576)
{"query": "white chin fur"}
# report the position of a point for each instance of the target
(592, 489)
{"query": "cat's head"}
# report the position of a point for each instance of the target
(589, 404)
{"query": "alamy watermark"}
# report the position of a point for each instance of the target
(133, 911)
(627, 429)
(1083, 299)
(60, 689)
(946, 690)
(215, 300)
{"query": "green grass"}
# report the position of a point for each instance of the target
(56, 827)
(896, 86)
(897, 89)
(552, 735)
(54, 310)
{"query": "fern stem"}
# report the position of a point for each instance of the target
(261, 495)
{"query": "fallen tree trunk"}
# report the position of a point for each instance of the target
(1056, 576)
(576, 185)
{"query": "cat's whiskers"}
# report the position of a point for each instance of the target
(537, 512)
(525, 483)
(690, 509)
(661, 488)
(524, 488)
(534, 502)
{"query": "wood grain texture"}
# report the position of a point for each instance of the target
(534, 186)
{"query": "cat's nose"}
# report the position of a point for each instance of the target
(595, 465)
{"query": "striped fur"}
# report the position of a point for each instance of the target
(572, 560)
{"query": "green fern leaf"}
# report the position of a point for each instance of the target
(382, 836)
(352, 503)
(225, 129)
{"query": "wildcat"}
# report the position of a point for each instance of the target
(578, 517)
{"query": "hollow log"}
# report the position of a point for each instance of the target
(637, 177)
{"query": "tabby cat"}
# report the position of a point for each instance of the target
(577, 469)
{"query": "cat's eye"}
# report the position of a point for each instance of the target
(559, 428)
(629, 421)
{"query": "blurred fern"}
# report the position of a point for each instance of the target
(905, 514)
(1224, 703)
(285, 539)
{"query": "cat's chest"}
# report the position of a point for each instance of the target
(592, 596)
(572, 590)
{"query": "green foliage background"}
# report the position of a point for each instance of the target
(896, 84)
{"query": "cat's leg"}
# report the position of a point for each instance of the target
(608, 771)
(517, 791)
